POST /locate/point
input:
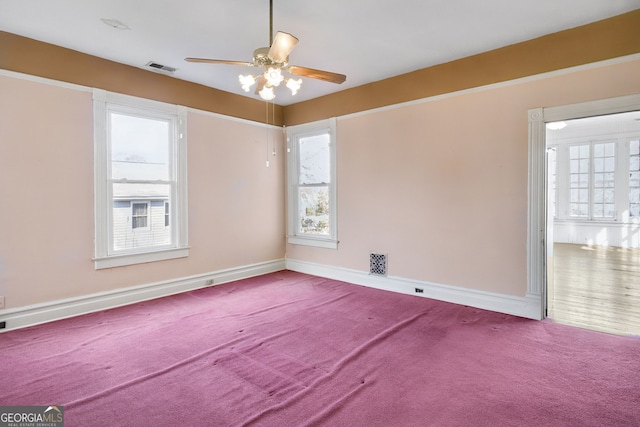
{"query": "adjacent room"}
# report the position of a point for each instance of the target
(594, 222)
(417, 217)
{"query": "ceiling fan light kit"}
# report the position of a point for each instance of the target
(274, 60)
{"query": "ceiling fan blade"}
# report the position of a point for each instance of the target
(218, 61)
(317, 74)
(282, 46)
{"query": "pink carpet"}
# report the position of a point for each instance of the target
(288, 349)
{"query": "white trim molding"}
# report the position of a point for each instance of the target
(528, 307)
(31, 315)
(536, 217)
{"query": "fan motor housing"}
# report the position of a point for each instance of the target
(261, 57)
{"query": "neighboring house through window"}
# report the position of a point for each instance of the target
(311, 164)
(140, 180)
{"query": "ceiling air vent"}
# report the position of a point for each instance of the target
(159, 67)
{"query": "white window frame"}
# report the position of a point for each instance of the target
(294, 134)
(105, 256)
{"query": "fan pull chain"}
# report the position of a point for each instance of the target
(266, 127)
(273, 116)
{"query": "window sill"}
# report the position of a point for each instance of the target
(313, 241)
(139, 258)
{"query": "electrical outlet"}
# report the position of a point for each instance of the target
(209, 282)
(3, 325)
(419, 290)
(1, 302)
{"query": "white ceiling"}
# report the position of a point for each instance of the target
(364, 39)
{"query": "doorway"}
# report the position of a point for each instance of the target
(592, 225)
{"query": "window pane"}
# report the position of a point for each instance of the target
(610, 164)
(610, 149)
(584, 151)
(609, 179)
(139, 148)
(583, 210)
(314, 210)
(584, 165)
(315, 163)
(579, 209)
(598, 211)
(574, 151)
(609, 195)
(598, 195)
(598, 165)
(584, 196)
(575, 195)
(598, 150)
(575, 166)
(609, 210)
(598, 180)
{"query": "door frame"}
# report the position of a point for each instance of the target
(537, 191)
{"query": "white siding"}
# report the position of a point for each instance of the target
(125, 237)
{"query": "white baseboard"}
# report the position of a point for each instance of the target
(528, 307)
(22, 317)
(60, 309)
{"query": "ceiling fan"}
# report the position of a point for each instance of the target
(274, 60)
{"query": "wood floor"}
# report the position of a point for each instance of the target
(595, 287)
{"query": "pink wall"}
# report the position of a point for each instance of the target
(441, 186)
(236, 204)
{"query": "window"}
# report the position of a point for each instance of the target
(634, 178)
(140, 180)
(592, 180)
(312, 184)
(139, 215)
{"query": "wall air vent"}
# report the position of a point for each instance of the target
(161, 68)
(378, 264)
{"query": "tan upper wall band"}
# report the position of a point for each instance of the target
(610, 38)
(602, 40)
(40, 59)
